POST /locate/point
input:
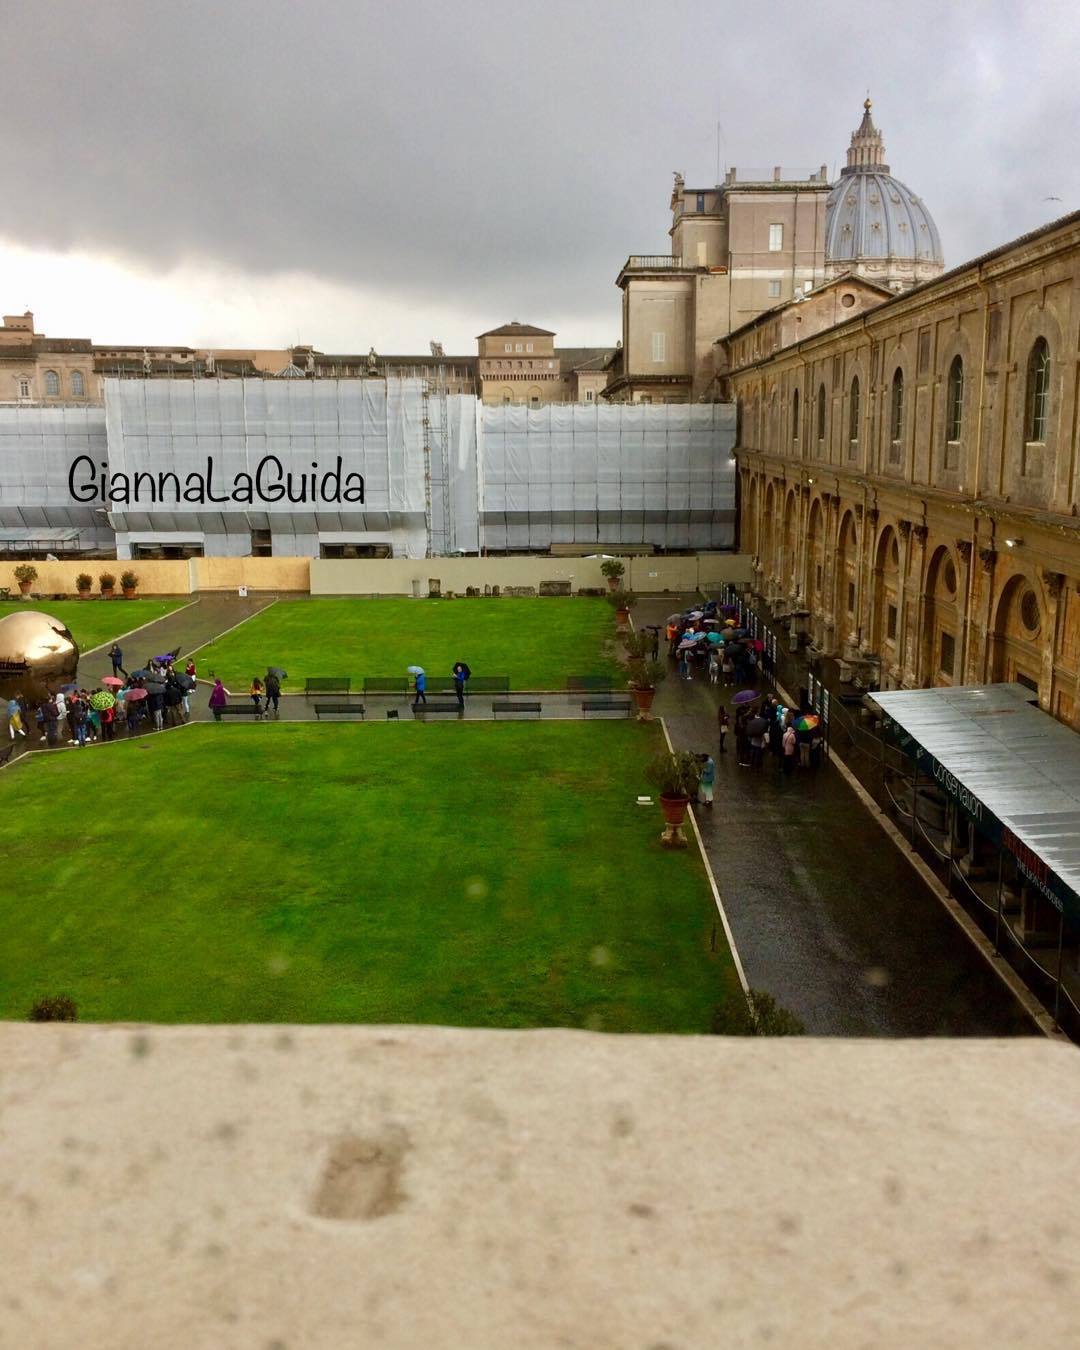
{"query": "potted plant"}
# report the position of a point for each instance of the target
(643, 676)
(676, 775)
(83, 584)
(613, 569)
(107, 582)
(25, 574)
(623, 602)
(128, 582)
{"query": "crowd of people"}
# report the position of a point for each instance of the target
(151, 698)
(709, 643)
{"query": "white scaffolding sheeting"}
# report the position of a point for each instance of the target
(37, 449)
(501, 478)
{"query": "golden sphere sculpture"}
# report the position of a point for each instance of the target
(37, 655)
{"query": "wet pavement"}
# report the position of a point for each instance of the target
(828, 916)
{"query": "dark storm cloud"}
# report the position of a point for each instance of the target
(504, 158)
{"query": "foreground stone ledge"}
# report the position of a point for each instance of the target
(296, 1187)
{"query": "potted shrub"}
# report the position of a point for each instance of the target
(25, 574)
(675, 774)
(643, 676)
(623, 602)
(128, 582)
(107, 582)
(613, 569)
(83, 584)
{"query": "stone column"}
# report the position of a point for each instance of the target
(963, 598)
(866, 580)
(1054, 583)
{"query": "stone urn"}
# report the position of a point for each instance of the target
(643, 698)
(674, 809)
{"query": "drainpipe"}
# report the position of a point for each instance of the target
(965, 643)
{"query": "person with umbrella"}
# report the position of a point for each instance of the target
(420, 683)
(461, 674)
(103, 704)
(274, 676)
(757, 728)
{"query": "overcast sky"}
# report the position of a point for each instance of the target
(260, 172)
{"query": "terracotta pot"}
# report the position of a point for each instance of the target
(622, 617)
(674, 809)
(613, 583)
(24, 587)
(129, 592)
(644, 700)
(85, 595)
(106, 592)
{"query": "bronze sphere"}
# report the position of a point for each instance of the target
(37, 655)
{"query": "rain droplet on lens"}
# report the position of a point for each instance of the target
(877, 977)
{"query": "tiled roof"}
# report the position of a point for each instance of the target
(517, 330)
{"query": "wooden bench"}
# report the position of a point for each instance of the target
(514, 706)
(589, 684)
(340, 710)
(240, 710)
(425, 708)
(323, 684)
(619, 705)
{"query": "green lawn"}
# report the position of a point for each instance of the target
(472, 874)
(94, 622)
(538, 643)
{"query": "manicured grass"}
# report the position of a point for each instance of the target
(93, 622)
(538, 643)
(472, 874)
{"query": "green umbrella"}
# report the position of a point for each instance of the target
(102, 699)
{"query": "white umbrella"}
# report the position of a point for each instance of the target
(415, 670)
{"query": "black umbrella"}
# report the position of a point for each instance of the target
(139, 674)
(185, 682)
(276, 670)
(153, 685)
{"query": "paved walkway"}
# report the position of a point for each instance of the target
(828, 916)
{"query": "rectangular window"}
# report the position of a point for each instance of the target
(658, 346)
(528, 346)
(262, 544)
(776, 238)
(645, 399)
(890, 623)
(517, 346)
(924, 351)
(551, 365)
(508, 347)
(947, 662)
(701, 201)
(952, 455)
(589, 396)
(851, 597)
(534, 402)
(774, 289)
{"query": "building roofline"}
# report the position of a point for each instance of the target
(923, 289)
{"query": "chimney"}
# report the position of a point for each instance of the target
(776, 174)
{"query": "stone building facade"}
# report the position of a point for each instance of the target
(910, 476)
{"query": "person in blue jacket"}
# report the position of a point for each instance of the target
(421, 685)
(461, 673)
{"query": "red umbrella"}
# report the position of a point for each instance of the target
(111, 682)
(134, 695)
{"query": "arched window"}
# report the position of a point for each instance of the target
(821, 412)
(853, 419)
(78, 384)
(896, 413)
(1038, 391)
(795, 418)
(52, 384)
(954, 404)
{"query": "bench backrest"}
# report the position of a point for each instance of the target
(385, 684)
(587, 684)
(328, 684)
